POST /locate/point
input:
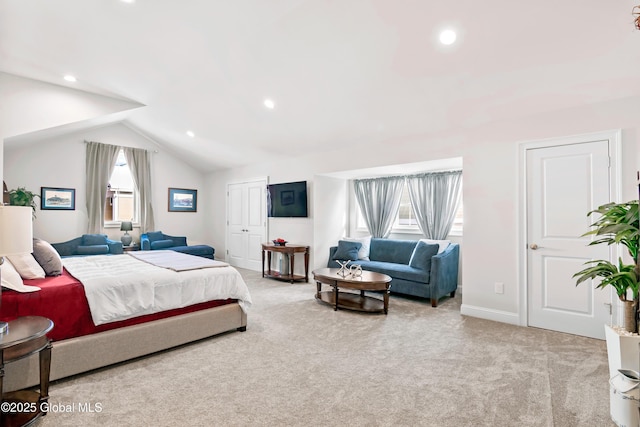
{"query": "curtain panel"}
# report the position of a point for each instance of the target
(379, 201)
(139, 162)
(434, 198)
(100, 162)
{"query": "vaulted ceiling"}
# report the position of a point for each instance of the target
(340, 72)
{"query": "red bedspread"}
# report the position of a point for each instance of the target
(62, 300)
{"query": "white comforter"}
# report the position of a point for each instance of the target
(120, 287)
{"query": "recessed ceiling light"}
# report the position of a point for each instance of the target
(128, 1)
(190, 134)
(447, 37)
(269, 104)
(70, 78)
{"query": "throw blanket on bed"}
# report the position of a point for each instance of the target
(120, 287)
(176, 261)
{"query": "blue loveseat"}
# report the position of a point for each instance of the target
(416, 268)
(89, 244)
(154, 240)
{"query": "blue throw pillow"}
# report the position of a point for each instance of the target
(162, 244)
(422, 254)
(347, 251)
(155, 235)
(94, 239)
(92, 250)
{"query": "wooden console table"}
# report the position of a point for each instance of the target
(291, 250)
(25, 336)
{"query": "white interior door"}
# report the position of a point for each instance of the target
(246, 223)
(564, 182)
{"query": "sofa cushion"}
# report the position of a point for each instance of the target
(48, 258)
(94, 239)
(396, 271)
(442, 244)
(391, 250)
(363, 252)
(155, 235)
(421, 258)
(347, 250)
(197, 250)
(161, 244)
(92, 249)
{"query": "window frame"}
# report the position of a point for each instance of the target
(136, 200)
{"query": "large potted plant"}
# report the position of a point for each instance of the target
(617, 225)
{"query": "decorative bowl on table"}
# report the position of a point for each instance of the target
(279, 242)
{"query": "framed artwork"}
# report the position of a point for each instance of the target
(57, 198)
(183, 200)
(286, 197)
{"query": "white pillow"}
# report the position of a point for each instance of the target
(12, 280)
(363, 252)
(27, 266)
(442, 244)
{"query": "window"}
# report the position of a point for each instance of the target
(456, 228)
(406, 221)
(121, 203)
(406, 218)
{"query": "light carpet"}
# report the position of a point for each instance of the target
(302, 364)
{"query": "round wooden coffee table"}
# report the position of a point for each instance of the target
(368, 281)
(25, 336)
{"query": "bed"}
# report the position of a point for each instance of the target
(177, 299)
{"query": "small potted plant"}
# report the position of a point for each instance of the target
(23, 197)
(617, 225)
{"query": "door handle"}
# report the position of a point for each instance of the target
(535, 247)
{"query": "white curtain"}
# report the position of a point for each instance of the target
(434, 198)
(140, 165)
(379, 200)
(100, 162)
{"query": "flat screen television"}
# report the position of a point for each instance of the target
(287, 200)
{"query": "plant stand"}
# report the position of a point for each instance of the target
(623, 352)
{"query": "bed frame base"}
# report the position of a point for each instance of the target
(77, 355)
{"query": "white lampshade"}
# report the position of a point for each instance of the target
(16, 230)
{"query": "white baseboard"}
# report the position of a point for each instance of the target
(488, 314)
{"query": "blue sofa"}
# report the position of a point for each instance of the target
(89, 244)
(154, 240)
(416, 268)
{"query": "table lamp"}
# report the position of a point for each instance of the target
(16, 237)
(126, 226)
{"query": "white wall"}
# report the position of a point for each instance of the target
(490, 193)
(331, 217)
(60, 162)
(28, 106)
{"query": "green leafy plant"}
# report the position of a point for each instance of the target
(23, 197)
(617, 225)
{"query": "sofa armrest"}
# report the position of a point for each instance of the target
(115, 247)
(444, 273)
(145, 244)
(331, 263)
(67, 248)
